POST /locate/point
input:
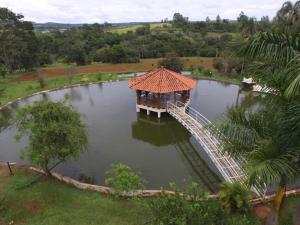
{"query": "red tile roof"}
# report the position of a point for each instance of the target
(162, 80)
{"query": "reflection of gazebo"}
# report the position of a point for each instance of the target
(154, 89)
(158, 133)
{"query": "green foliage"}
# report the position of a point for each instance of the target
(18, 43)
(202, 73)
(187, 207)
(55, 132)
(123, 179)
(172, 62)
(3, 71)
(235, 197)
(117, 54)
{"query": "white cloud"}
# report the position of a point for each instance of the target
(89, 11)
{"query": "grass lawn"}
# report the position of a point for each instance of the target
(217, 77)
(13, 89)
(125, 29)
(24, 84)
(50, 202)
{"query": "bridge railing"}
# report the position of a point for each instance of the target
(233, 170)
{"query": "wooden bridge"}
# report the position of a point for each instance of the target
(208, 137)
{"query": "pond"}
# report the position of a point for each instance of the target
(161, 149)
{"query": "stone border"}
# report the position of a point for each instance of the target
(142, 193)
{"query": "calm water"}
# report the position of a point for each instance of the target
(160, 148)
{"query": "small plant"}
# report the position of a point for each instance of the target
(29, 87)
(124, 179)
(84, 79)
(235, 197)
(99, 76)
(207, 73)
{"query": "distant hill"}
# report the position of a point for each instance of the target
(65, 26)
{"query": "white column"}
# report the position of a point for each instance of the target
(148, 112)
(138, 109)
(158, 114)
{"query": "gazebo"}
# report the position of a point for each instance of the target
(154, 89)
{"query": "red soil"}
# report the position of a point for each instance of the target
(143, 65)
(262, 211)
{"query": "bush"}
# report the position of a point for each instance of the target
(235, 197)
(99, 76)
(218, 64)
(123, 179)
(178, 210)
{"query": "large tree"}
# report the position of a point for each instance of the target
(172, 62)
(55, 132)
(18, 43)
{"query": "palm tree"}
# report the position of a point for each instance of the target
(260, 137)
(289, 13)
(267, 136)
(276, 60)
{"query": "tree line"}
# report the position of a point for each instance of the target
(23, 48)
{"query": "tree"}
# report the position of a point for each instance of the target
(55, 132)
(172, 62)
(70, 73)
(268, 137)
(218, 19)
(18, 48)
(288, 14)
(179, 20)
(247, 25)
(144, 30)
(41, 75)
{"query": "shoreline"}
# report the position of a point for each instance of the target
(125, 76)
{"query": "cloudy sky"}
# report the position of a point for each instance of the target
(89, 11)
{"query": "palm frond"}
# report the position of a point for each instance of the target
(268, 164)
(276, 47)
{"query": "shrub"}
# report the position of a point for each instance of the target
(207, 73)
(218, 64)
(189, 207)
(235, 197)
(99, 76)
(124, 179)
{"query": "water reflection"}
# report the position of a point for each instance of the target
(157, 132)
(6, 116)
(169, 132)
(162, 150)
